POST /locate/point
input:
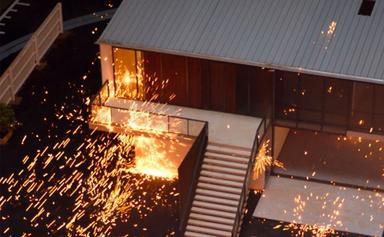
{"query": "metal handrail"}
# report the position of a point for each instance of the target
(201, 141)
(97, 100)
(255, 147)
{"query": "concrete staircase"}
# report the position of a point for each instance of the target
(218, 191)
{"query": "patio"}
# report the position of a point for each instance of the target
(349, 160)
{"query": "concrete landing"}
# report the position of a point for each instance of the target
(349, 160)
(340, 208)
(223, 128)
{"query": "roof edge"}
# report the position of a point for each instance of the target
(249, 63)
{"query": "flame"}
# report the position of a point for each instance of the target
(150, 150)
(151, 158)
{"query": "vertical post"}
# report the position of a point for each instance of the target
(187, 127)
(36, 49)
(60, 13)
(137, 79)
(168, 122)
(323, 97)
(107, 88)
(9, 74)
(272, 115)
(298, 99)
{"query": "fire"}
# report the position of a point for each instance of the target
(151, 158)
(146, 129)
(95, 174)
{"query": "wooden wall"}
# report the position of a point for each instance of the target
(209, 84)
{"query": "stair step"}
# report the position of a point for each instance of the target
(223, 169)
(216, 200)
(219, 188)
(213, 212)
(219, 194)
(217, 156)
(219, 175)
(229, 146)
(230, 164)
(219, 207)
(208, 231)
(195, 234)
(206, 179)
(228, 151)
(211, 225)
(215, 219)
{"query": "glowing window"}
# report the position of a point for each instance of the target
(128, 73)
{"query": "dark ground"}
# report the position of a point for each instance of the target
(27, 19)
(58, 88)
(4, 5)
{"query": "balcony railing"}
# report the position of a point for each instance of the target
(140, 120)
(189, 169)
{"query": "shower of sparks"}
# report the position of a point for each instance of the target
(332, 211)
(142, 117)
(263, 160)
(87, 188)
(95, 182)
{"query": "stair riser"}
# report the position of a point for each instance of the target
(216, 200)
(214, 206)
(213, 212)
(215, 219)
(223, 170)
(208, 231)
(212, 225)
(226, 190)
(233, 165)
(211, 193)
(218, 175)
(220, 182)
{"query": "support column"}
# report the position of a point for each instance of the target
(106, 61)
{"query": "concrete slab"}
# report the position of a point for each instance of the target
(340, 208)
(349, 160)
(224, 128)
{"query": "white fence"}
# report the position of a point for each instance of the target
(20, 69)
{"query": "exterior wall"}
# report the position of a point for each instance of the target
(281, 134)
(211, 85)
(328, 104)
(106, 61)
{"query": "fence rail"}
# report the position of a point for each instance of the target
(20, 69)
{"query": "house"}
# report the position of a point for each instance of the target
(255, 70)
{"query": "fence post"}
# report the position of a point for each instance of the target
(36, 49)
(11, 81)
(60, 10)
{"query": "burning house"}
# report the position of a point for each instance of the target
(214, 82)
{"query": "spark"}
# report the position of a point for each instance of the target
(263, 160)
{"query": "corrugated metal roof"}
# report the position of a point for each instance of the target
(295, 35)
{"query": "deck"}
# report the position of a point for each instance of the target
(223, 128)
(344, 209)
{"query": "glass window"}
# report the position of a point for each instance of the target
(286, 95)
(362, 106)
(336, 102)
(128, 73)
(310, 98)
(378, 117)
